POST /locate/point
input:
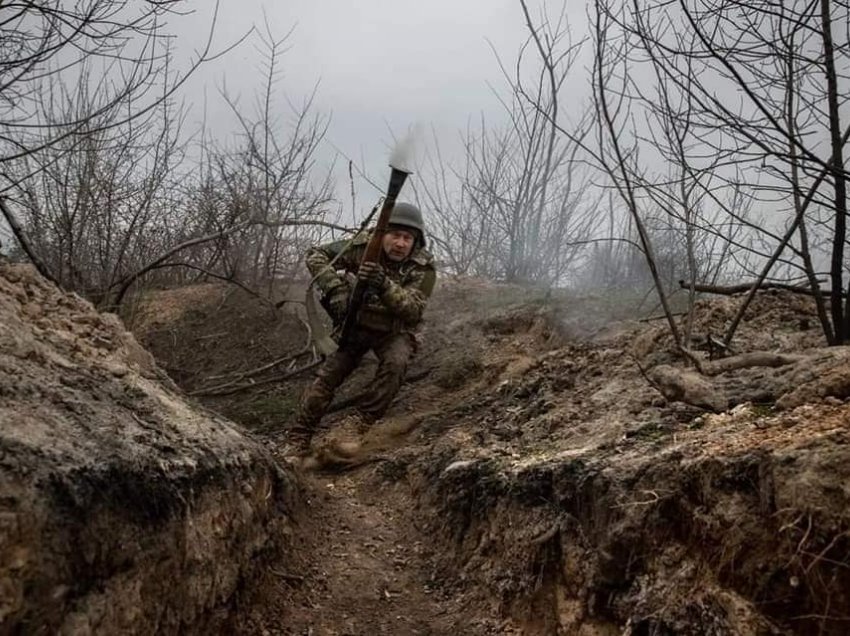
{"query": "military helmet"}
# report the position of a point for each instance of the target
(408, 215)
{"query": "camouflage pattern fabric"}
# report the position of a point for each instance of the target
(402, 303)
(394, 352)
(386, 324)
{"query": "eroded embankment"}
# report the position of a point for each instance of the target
(739, 527)
(122, 508)
(563, 482)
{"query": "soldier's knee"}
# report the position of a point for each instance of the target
(322, 385)
(394, 365)
(329, 378)
(401, 351)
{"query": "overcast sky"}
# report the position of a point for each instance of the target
(380, 65)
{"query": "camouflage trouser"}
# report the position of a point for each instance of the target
(394, 352)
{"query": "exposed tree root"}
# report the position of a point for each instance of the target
(742, 361)
(696, 388)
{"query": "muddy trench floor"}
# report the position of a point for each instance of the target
(359, 565)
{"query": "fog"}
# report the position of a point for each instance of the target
(378, 69)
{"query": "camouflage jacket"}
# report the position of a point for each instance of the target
(400, 306)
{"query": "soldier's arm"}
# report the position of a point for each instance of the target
(408, 301)
(318, 260)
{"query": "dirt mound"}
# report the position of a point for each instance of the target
(593, 504)
(777, 321)
(123, 508)
(732, 524)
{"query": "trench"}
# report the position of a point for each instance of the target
(364, 556)
(360, 565)
(523, 489)
(551, 493)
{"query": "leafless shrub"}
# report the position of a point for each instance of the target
(778, 144)
(110, 58)
(521, 209)
(124, 197)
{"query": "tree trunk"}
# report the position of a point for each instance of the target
(837, 163)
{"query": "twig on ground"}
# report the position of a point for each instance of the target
(229, 389)
(742, 361)
(286, 576)
(662, 316)
(239, 376)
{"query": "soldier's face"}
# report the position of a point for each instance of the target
(398, 244)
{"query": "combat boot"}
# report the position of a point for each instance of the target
(346, 437)
(299, 439)
(355, 424)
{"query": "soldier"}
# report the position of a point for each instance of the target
(387, 321)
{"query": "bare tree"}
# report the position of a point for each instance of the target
(522, 210)
(115, 50)
(121, 199)
(266, 181)
(457, 233)
(785, 136)
(90, 205)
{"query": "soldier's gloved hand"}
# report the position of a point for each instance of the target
(373, 275)
(338, 302)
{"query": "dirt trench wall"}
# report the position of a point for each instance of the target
(80, 558)
(684, 541)
(123, 509)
